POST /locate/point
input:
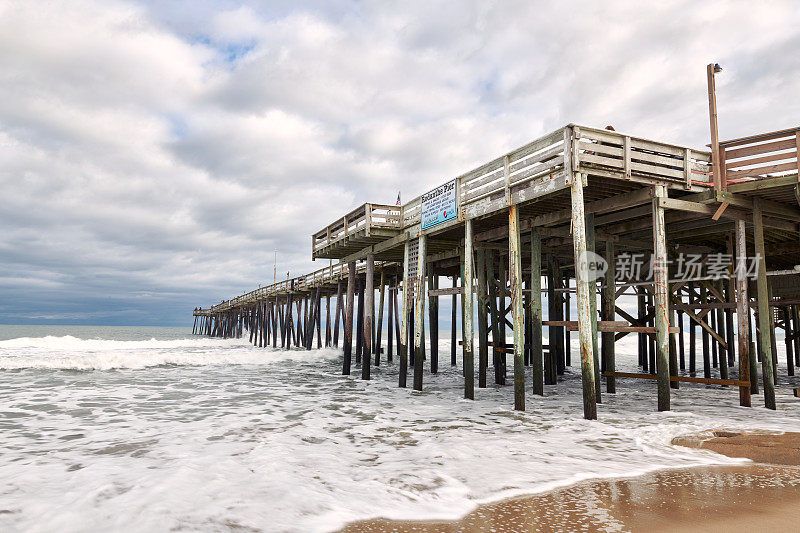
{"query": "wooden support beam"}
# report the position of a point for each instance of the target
(483, 326)
(468, 334)
(661, 292)
(348, 323)
(369, 309)
(419, 310)
(583, 304)
(763, 308)
(515, 278)
(609, 312)
(402, 345)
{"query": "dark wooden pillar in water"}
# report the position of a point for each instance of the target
(360, 322)
(348, 322)
(379, 325)
(483, 319)
(328, 332)
(318, 316)
(515, 278)
(467, 298)
(433, 321)
(642, 312)
(705, 335)
(692, 335)
(419, 310)
(502, 277)
(402, 344)
(390, 325)
(537, 356)
(492, 291)
(567, 333)
(609, 313)
(369, 309)
(763, 308)
(554, 332)
(787, 328)
(453, 317)
(681, 347)
(743, 317)
(339, 312)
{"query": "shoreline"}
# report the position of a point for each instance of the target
(747, 497)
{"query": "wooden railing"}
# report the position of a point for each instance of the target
(510, 178)
(329, 274)
(365, 217)
(761, 156)
(604, 150)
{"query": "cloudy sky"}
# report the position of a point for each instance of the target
(154, 154)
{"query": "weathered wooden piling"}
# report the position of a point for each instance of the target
(515, 278)
(369, 309)
(537, 355)
(419, 309)
(348, 322)
(467, 284)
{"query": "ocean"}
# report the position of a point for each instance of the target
(155, 429)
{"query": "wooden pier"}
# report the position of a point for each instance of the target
(560, 208)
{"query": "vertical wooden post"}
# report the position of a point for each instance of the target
(328, 332)
(787, 328)
(369, 309)
(681, 347)
(609, 307)
(419, 310)
(537, 361)
(491, 286)
(515, 277)
(583, 296)
(467, 298)
(554, 333)
(590, 247)
(692, 335)
(483, 325)
(502, 277)
(379, 325)
(567, 332)
(433, 321)
(763, 307)
(796, 333)
(453, 317)
(348, 322)
(661, 296)
(360, 322)
(402, 345)
(339, 311)
(706, 336)
(390, 326)
(642, 311)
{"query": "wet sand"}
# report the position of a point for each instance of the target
(752, 497)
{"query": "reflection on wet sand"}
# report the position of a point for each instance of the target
(724, 498)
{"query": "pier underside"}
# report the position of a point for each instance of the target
(631, 237)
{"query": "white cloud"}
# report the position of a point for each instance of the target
(168, 148)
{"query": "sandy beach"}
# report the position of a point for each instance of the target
(752, 497)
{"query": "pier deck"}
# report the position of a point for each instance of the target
(533, 213)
